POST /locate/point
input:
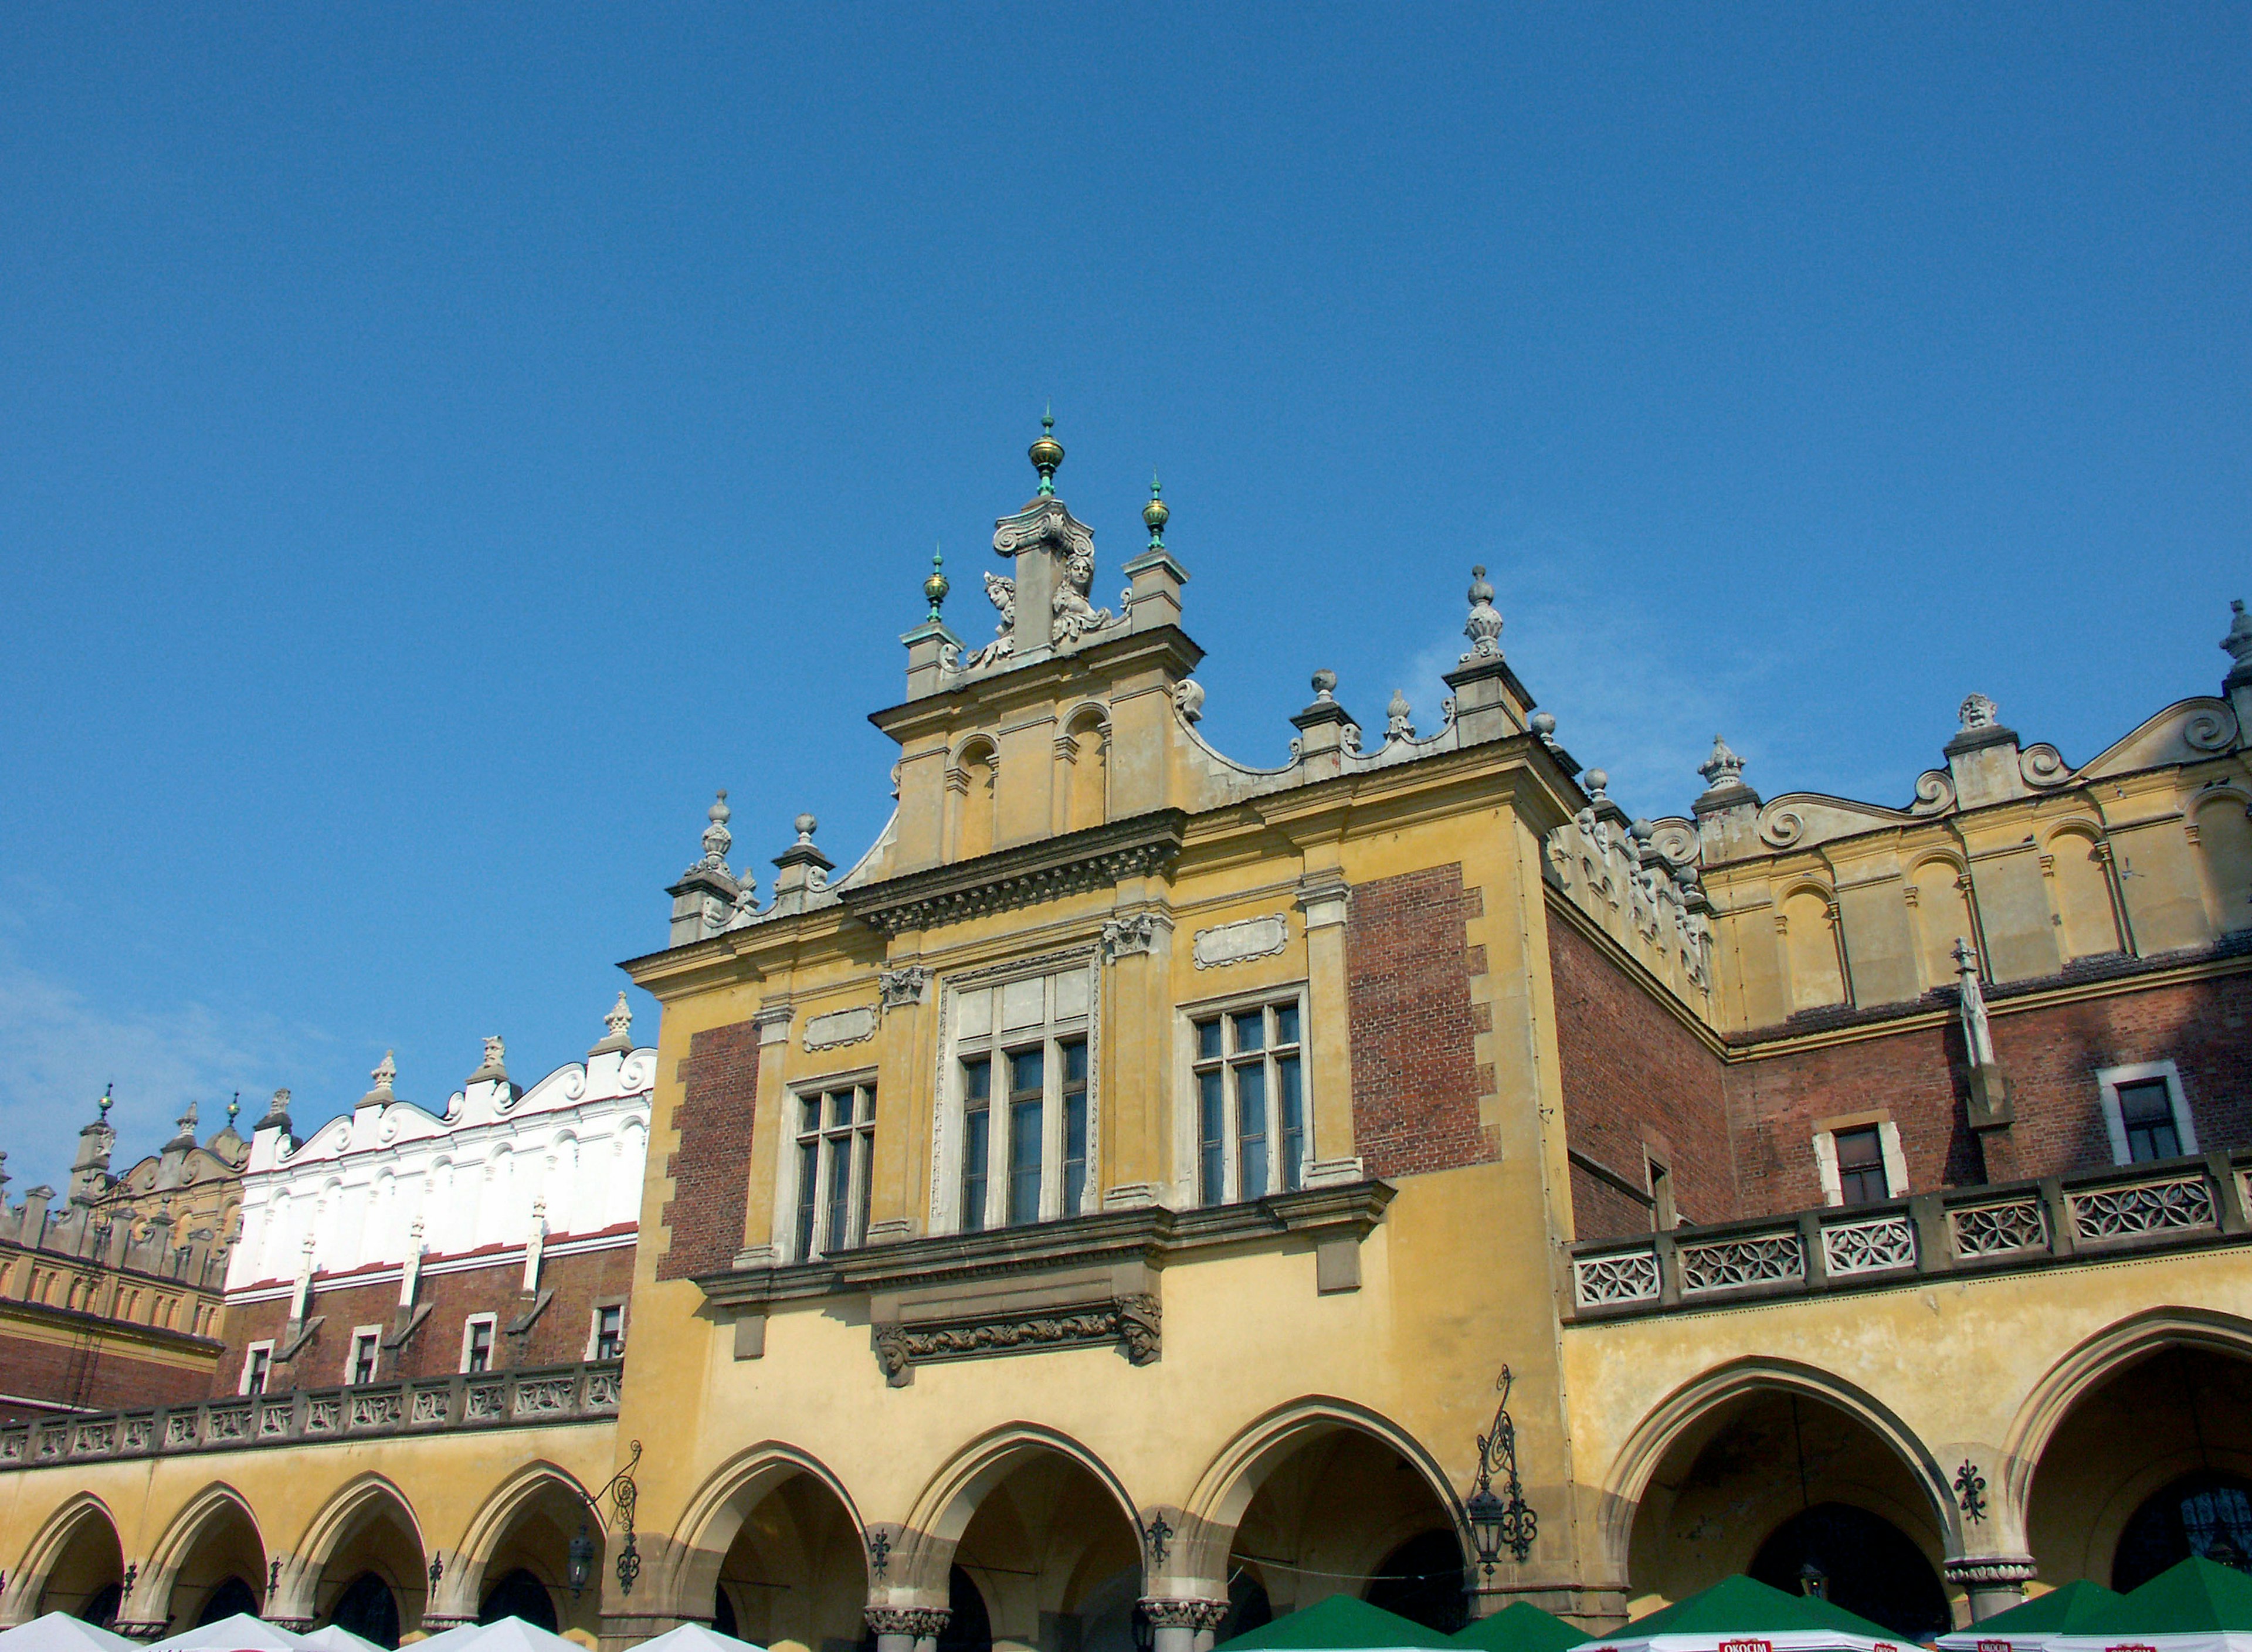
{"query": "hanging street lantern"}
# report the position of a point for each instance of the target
(1502, 1520)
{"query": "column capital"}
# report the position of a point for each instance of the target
(1169, 1611)
(919, 1623)
(1987, 1571)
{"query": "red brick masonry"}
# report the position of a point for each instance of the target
(1742, 1131)
(1416, 1076)
(711, 1172)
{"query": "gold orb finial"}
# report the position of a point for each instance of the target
(1046, 454)
(1155, 516)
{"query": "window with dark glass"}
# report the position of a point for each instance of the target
(2146, 1108)
(835, 1148)
(1027, 1091)
(1861, 1166)
(364, 1347)
(262, 1361)
(977, 1139)
(1251, 1103)
(476, 1353)
(1074, 1123)
(609, 1330)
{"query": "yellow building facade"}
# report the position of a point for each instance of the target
(1145, 1192)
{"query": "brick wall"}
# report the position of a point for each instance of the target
(1742, 1132)
(2052, 1056)
(1415, 1075)
(1636, 1081)
(43, 1378)
(711, 1172)
(557, 1337)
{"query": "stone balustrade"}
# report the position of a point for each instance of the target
(2169, 1205)
(585, 1392)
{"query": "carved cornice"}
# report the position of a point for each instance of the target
(1098, 857)
(1976, 1570)
(1151, 1234)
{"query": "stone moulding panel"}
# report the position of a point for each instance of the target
(840, 1027)
(1241, 941)
(1077, 1307)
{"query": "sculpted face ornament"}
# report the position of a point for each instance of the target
(1073, 616)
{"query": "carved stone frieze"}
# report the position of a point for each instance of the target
(1135, 1322)
(1183, 1614)
(918, 1623)
(1137, 933)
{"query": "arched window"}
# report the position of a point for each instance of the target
(1811, 942)
(1859, 1561)
(368, 1609)
(2198, 1514)
(969, 1627)
(101, 1607)
(2224, 841)
(519, 1595)
(971, 789)
(1423, 1581)
(2081, 891)
(1083, 776)
(1941, 912)
(233, 1598)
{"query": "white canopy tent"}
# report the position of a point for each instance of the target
(59, 1632)
(240, 1632)
(694, 1637)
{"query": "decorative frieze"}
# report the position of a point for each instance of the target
(1999, 1230)
(1600, 1281)
(1135, 1322)
(1137, 933)
(2153, 1207)
(1868, 1247)
(1728, 1264)
(903, 986)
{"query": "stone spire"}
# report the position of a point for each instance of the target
(801, 869)
(1483, 626)
(1723, 771)
(2237, 685)
(1727, 811)
(620, 1022)
(89, 1175)
(277, 1114)
(187, 1122)
(1399, 716)
(380, 1095)
(704, 899)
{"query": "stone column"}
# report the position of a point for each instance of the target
(905, 1629)
(1994, 1582)
(1182, 1624)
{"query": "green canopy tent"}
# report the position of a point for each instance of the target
(2196, 1607)
(1338, 1624)
(1740, 1614)
(2030, 1628)
(1520, 1627)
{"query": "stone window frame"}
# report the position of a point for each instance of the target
(797, 1092)
(250, 1367)
(1888, 1144)
(2107, 1082)
(368, 1335)
(491, 1322)
(1054, 1029)
(1188, 1132)
(594, 1325)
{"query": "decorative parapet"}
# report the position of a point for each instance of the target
(587, 1392)
(2177, 1205)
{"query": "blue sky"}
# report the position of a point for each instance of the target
(442, 444)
